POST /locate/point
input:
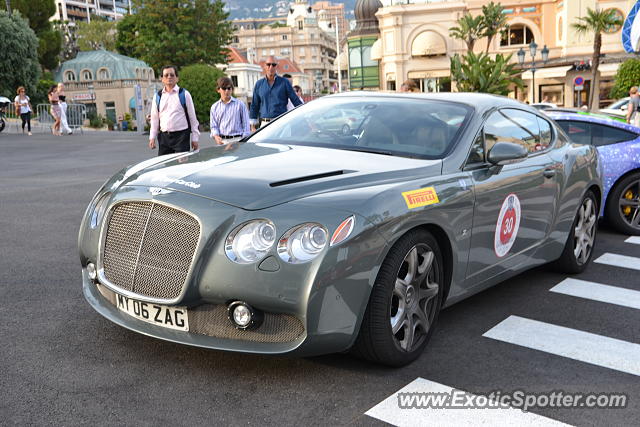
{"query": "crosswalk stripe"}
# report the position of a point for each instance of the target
(578, 345)
(598, 292)
(619, 261)
(633, 239)
(390, 412)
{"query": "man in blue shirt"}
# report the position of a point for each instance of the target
(270, 96)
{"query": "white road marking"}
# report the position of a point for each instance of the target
(583, 346)
(390, 412)
(598, 292)
(619, 261)
(633, 239)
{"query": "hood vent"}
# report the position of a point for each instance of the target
(307, 178)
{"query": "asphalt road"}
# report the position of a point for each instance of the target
(63, 364)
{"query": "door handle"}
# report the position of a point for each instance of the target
(549, 173)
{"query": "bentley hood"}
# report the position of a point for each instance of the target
(256, 176)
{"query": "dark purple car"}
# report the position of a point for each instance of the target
(619, 147)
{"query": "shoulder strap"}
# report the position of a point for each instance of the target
(183, 101)
(159, 95)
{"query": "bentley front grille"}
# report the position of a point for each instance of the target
(149, 249)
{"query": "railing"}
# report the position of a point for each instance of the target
(106, 84)
(42, 119)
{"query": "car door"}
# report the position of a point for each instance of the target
(515, 204)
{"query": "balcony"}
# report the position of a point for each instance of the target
(106, 84)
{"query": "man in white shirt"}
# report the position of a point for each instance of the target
(173, 117)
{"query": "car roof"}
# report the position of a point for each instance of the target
(481, 101)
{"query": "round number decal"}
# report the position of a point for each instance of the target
(507, 225)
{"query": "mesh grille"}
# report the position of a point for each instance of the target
(149, 249)
(212, 320)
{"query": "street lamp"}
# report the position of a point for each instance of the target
(533, 47)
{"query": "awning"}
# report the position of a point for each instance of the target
(428, 43)
(428, 74)
(376, 50)
(542, 73)
(608, 70)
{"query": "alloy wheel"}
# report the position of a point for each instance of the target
(585, 231)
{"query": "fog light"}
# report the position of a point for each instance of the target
(91, 271)
(243, 316)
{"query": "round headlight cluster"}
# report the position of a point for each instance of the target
(251, 241)
(99, 208)
(302, 243)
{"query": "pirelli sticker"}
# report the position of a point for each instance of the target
(422, 197)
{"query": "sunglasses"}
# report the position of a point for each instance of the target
(168, 75)
(271, 64)
(226, 88)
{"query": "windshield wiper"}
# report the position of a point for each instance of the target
(384, 153)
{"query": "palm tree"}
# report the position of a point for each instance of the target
(469, 30)
(596, 22)
(494, 21)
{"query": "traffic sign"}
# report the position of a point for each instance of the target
(578, 88)
(578, 81)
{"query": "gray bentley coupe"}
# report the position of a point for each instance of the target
(312, 237)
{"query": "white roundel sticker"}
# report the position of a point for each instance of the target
(507, 225)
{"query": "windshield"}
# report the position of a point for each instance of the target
(406, 127)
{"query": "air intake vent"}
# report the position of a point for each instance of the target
(307, 178)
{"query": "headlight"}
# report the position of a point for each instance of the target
(249, 242)
(99, 209)
(302, 243)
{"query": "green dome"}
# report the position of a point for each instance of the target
(103, 65)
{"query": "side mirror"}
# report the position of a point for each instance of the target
(624, 107)
(506, 153)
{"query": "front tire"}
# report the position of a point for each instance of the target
(405, 302)
(578, 249)
(623, 208)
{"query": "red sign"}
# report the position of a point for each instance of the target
(578, 81)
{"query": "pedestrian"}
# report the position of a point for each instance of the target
(633, 116)
(229, 117)
(55, 109)
(173, 117)
(409, 85)
(64, 126)
(23, 107)
(270, 95)
(298, 90)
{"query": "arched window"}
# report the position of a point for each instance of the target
(86, 75)
(70, 76)
(103, 74)
(516, 35)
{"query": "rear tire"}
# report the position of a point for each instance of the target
(623, 208)
(578, 250)
(405, 302)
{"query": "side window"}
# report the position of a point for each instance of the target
(514, 126)
(605, 135)
(477, 151)
(578, 132)
(546, 134)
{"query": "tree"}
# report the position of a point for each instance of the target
(97, 34)
(469, 30)
(126, 35)
(200, 81)
(596, 22)
(38, 12)
(480, 73)
(18, 56)
(181, 32)
(67, 31)
(493, 21)
(626, 77)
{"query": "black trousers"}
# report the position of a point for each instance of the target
(174, 142)
(26, 119)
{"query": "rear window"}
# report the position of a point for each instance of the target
(594, 133)
(397, 126)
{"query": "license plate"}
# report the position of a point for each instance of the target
(161, 315)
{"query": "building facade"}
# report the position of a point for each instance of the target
(302, 40)
(105, 82)
(81, 10)
(414, 43)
